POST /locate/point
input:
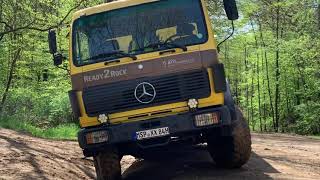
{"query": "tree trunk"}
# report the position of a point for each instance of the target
(267, 73)
(247, 86)
(277, 90)
(10, 78)
(1, 12)
(264, 93)
(287, 92)
(259, 92)
(318, 11)
(258, 74)
(237, 85)
(251, 98)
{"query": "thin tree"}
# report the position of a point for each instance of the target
(267, 72)
(258, 73)
(318, 12)
(10, 78)
(247, 85)
(277, 90)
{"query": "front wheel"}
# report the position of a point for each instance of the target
(235, 150)
(107, 164)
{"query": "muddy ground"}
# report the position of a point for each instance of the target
(274, 157)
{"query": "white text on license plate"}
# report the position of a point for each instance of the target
(152, 133)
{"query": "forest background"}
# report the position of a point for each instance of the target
(272, 62)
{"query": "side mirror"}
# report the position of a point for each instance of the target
(231, 9)
(52, 38)
(57, 59)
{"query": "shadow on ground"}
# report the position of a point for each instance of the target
(193, 164)
(32, 161)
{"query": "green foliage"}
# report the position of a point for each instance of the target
(31, 88)
(266, 29)
(275, 35)
(309, 119)
(44, 107)
(63, 131)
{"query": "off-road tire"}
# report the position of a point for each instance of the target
(232, 151)
(107, 164)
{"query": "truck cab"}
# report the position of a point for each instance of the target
(145, 74)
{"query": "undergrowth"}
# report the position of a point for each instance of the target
(60, 132)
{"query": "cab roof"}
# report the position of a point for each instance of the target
(108, 7)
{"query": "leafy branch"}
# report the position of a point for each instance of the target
(29, 26)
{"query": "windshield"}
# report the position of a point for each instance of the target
(135, 30)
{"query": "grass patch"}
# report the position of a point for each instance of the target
(315, 137)
(61, 132)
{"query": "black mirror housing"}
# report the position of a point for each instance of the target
(52, 38)
(57, 59)
(231, 9)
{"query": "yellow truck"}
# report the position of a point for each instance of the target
(145, 75)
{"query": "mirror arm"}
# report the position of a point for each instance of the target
(64, 68)
(233, 29)
(59, 65)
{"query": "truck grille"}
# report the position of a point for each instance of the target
(120, 96)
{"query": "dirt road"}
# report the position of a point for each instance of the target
(274, 157)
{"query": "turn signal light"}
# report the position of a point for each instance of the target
(97, 137)
(206, 119)
(193, 103)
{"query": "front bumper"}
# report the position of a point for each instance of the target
(178, 124)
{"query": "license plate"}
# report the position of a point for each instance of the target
(151, 133)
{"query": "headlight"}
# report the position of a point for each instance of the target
(97, 137)
(206, 119)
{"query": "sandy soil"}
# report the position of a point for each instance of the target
(274, 157)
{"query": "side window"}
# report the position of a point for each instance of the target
(82, 48)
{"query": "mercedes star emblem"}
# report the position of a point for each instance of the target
(145, 93)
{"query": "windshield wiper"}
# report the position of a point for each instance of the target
(113, 53)
(160, 45)
(167, 45)
(174, 45)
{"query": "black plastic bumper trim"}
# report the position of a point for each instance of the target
(219, 78)
(178, 124)
(74, 103)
